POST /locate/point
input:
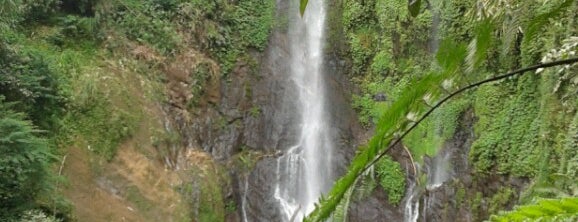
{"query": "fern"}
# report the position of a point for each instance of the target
(542, 19)
(391, 124)
(479, 46)
(341, 210)
(565, 209)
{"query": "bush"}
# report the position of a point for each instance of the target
(28, 80)
(37, 216)
(24, 159)
(391, 178)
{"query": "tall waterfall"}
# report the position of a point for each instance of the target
(305, 170)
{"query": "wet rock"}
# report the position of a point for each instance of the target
(261, 204)
(374, 208)
(380, 97)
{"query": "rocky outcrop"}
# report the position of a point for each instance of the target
(254, 109)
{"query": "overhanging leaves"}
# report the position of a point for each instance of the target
(478, 48)
(392, 122)
(565, 209)
(540, 20)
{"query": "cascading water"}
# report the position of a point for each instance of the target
(411, 208)
(305, 170)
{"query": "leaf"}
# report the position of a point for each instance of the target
(478, 48)
(537, 23)
(390, 122)
(543, 210)
(451, 55)
(303, 6)
(414, 6)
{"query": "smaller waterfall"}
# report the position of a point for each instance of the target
(439, 170)
(244, 200)
(411, 209)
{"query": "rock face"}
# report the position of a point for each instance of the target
(374, 208)
(454, 199)
(254, 110)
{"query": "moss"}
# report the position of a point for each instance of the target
(460, 196)
(508, 128)
(204, 192)
(501, 199)
(476, 205)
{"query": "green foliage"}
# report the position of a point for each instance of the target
(428, 137)
(363, 44)
(501, 199)
(27, 79)
(390, 123)
(37, 216)
(103, 128)
(24, 162)
(391, 178)
(357, 13)
(509, 127)
(369, 109)
(204, 194)
(565, 209)
(551, 10)
(414, 7)
(253, 21)
(147, 24)
(478, 48)
(227, 30)
(509, 134)
(569, 162)
(382, 63)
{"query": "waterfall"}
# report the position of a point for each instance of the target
(244, 200)
(411, 208)
(304, 172)
(439, 171)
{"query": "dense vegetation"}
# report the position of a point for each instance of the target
(405, 58)
(77, 74)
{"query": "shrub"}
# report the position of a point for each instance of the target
(391, 178)
(24, 161)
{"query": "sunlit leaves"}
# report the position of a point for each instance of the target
(565, 209)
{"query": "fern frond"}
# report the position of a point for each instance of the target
(565, 209)
(478, 48)
(389, 125)
(542, 19)
(340, 214)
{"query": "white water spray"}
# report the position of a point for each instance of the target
(305, 170)
(244, 200)
(411, 208)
